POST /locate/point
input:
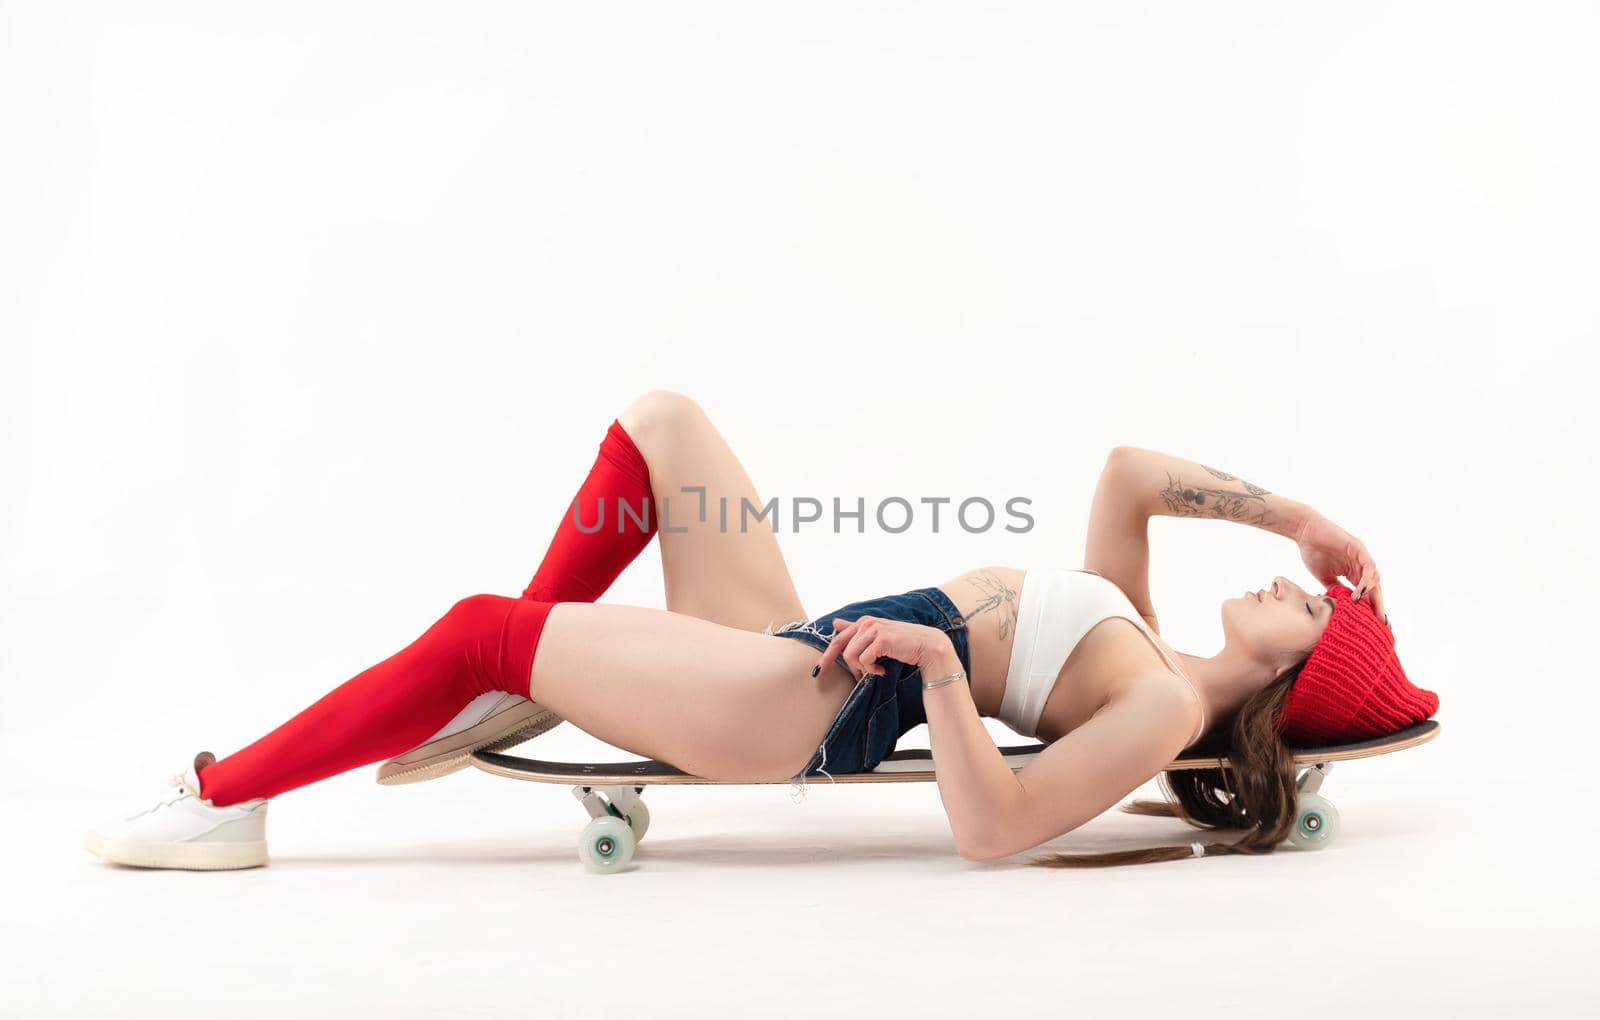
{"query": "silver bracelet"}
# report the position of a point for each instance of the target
(952, 678)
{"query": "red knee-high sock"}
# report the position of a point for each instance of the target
(484, 643)
(601, 531)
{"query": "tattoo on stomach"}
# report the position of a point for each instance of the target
(996, 597)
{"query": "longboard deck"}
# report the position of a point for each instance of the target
(913, 765)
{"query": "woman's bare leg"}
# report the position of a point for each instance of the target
(725, 575)
(709, 699)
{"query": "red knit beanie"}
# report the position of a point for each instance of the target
(1352, 687)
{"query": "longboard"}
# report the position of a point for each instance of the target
(610, 791)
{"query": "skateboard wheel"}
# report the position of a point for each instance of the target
(639, 821)
(606, 844)
(1316, 820)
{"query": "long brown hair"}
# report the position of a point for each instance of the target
(1256, 793)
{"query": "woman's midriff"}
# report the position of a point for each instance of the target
(1114, 651)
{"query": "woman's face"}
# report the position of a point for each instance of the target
(1279, 624)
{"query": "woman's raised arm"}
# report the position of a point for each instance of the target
(1138, 484)
(1159, 483)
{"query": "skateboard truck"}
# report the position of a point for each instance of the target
(1310, 780)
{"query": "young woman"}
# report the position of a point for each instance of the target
(734, 681)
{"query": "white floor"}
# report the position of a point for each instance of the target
(464, 898)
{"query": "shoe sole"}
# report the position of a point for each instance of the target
(198, 856)
(453, 753)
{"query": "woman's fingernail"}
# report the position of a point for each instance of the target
(816, 669)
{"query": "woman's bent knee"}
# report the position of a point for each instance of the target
(475, 615)
(658, 413)
(474, 606)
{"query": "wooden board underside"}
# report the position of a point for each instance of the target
(913, 765)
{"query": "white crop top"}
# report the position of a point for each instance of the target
(1056, 609)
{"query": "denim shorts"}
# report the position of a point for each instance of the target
(880, 708)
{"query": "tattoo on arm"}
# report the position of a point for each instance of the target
(1248, 507)
(1254, 490)
(999, 598)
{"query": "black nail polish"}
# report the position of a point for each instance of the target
(816, 669)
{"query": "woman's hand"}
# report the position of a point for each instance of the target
(860, 643)
(1330, 551)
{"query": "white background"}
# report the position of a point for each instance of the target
(311, 317)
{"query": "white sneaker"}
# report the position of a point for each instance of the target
(183, 831)
(493, 721)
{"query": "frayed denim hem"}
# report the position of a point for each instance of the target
(797, 783)
(811, 634)
(804, 630)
